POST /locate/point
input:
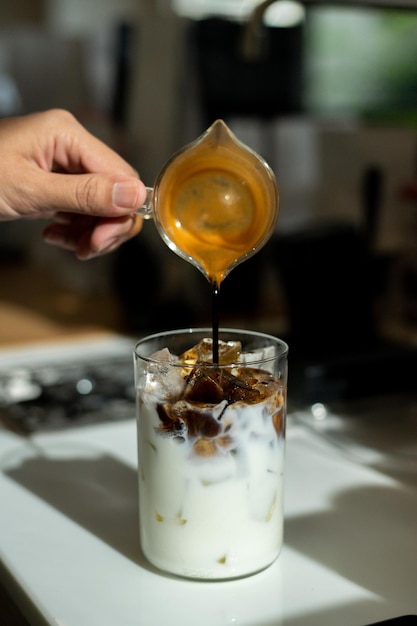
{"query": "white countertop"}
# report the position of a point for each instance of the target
(70, 551)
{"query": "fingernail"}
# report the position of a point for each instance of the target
(107, 245)
(125, 195)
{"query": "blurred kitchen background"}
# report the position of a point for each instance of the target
(327, 93)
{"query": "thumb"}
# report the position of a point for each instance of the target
(91, 194)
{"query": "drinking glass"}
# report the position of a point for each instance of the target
(211, 440)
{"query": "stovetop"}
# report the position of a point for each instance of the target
(61, 393)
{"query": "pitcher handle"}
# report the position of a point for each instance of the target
(146, 209)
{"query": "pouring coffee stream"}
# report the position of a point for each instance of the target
(214, 203)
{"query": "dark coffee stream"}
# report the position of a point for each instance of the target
(215, 304)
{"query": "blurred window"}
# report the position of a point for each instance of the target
(361, 62)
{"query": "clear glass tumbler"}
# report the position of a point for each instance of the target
(211, 440)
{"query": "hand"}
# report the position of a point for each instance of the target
(52, 167)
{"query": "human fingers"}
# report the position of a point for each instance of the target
(107, 235)
(98, 195)
(55, 140)
(89, 237)
(51, 163)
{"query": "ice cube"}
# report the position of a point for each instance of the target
(268, 353)
(164, 378)
(211, 386)
(163, 356)
(229, 352)
(203, 386)
(183, 418)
